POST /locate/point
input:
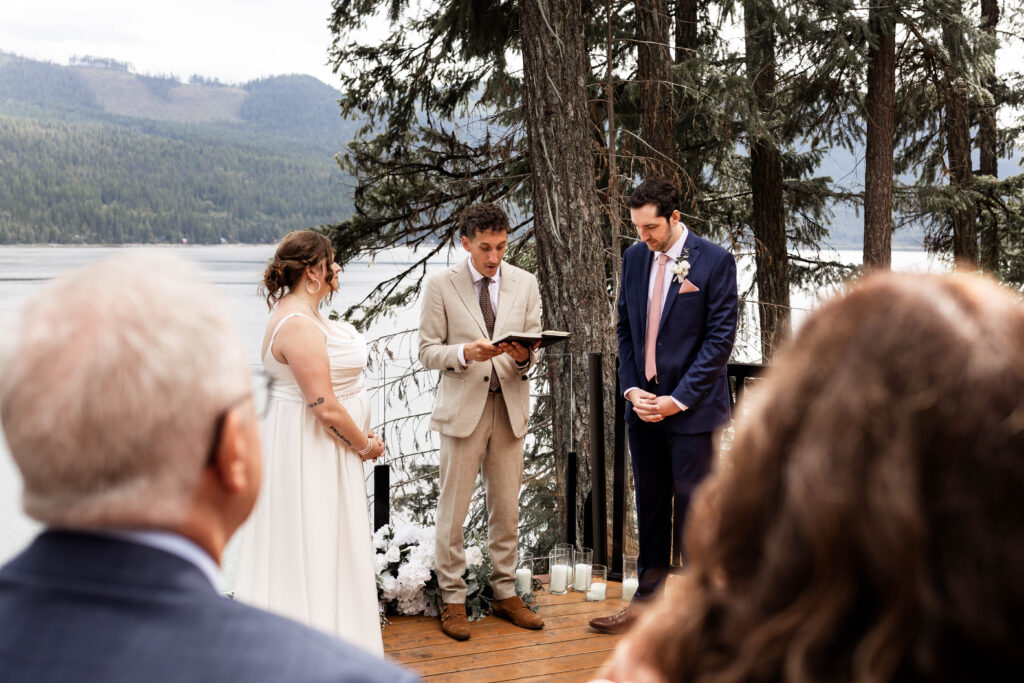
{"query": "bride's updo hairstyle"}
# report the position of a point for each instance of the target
(300, 249)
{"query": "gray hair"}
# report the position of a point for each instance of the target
(111, 389)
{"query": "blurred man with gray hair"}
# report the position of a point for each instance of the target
(129, 409)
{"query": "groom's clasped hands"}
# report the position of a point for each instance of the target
(651, 408)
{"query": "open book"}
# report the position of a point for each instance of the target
(528, 339)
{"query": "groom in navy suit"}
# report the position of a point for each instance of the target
(128, 407)
(677, 323)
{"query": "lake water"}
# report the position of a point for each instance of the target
(235, 270)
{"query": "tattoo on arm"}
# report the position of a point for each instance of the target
(338, 434)
(317, 402)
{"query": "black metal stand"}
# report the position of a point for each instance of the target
(570, 498)
(381, 496)
(597, 474)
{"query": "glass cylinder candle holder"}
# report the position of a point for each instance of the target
(558, 564)
(570, 551)
(524, 574)
(630, 576)
(598, 590)
(581, 572)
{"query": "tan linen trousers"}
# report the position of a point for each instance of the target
(494, 449)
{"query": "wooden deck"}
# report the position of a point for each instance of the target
(566, 649)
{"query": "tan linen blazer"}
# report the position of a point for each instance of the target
(451, 316)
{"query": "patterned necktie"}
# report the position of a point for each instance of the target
(488, 311)
(654, 320)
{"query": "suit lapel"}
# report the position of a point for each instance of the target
(693, 245)
(463, 283)
(508, 288)
(641, 285)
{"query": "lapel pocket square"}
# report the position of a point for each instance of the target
(687, 287)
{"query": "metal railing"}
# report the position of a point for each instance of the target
(595, 507)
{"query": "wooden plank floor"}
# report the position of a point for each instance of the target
(566, 649)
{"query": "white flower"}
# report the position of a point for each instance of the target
(681, 269)
(413, 604)
(389, 586)
(412, 576)
(380, 537)
(393, 554)
(427, 536)
(423, 554)
(474, 556)
(380, 562)
(406, 534)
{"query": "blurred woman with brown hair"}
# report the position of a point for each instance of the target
(307, 551)
(867, 524)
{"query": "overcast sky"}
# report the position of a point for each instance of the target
(233, 40)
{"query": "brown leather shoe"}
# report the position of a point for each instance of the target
(516, 611)
(454, 622)
(617, 623)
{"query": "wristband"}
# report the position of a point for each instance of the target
(366, 449)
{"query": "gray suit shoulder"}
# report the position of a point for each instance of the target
(284, 650)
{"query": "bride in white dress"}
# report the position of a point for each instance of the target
(307, 549)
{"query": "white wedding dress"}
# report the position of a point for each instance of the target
(307, 550)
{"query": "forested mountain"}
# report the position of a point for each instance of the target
(94, 153)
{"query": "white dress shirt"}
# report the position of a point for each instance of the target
(492, 289)
(673, 253)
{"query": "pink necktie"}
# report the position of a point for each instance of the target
(654, 319)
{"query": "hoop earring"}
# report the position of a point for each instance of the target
(313, 291)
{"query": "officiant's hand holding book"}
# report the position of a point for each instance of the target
(532, 340)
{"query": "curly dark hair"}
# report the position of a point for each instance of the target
(300, 249)
(869, 525)
(661, 193)
(482, 216)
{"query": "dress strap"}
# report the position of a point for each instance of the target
(282, 321)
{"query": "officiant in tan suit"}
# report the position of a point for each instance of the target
(482, 407)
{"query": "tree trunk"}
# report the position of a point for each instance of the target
(654, 71)
(686, 30)
(958, 149)
(686, 50)
(987, 140)
(568, 219)
(878, 165)
(771, 258)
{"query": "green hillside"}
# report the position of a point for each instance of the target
(96, 154)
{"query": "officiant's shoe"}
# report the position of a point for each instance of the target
(516, 611)
(617, 623)
(454, 622)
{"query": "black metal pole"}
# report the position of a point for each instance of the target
(570, 497)
(381, 496)
(618, 484)
(597, 476)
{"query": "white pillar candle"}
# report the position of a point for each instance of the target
(582, 577)
(596, 592)
(629, 587)
(524, 580)
(559, 578)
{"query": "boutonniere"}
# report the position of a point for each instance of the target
(681, 267)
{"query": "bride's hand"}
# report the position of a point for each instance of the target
(376, 447)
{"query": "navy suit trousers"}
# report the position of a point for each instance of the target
(666, 465)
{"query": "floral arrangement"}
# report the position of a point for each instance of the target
(681, 267)
(406, 578)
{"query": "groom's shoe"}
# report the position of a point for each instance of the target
(516, 611)
(453, 621)
(617, 623)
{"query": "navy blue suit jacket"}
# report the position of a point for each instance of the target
(86, 608)
(695, 336)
